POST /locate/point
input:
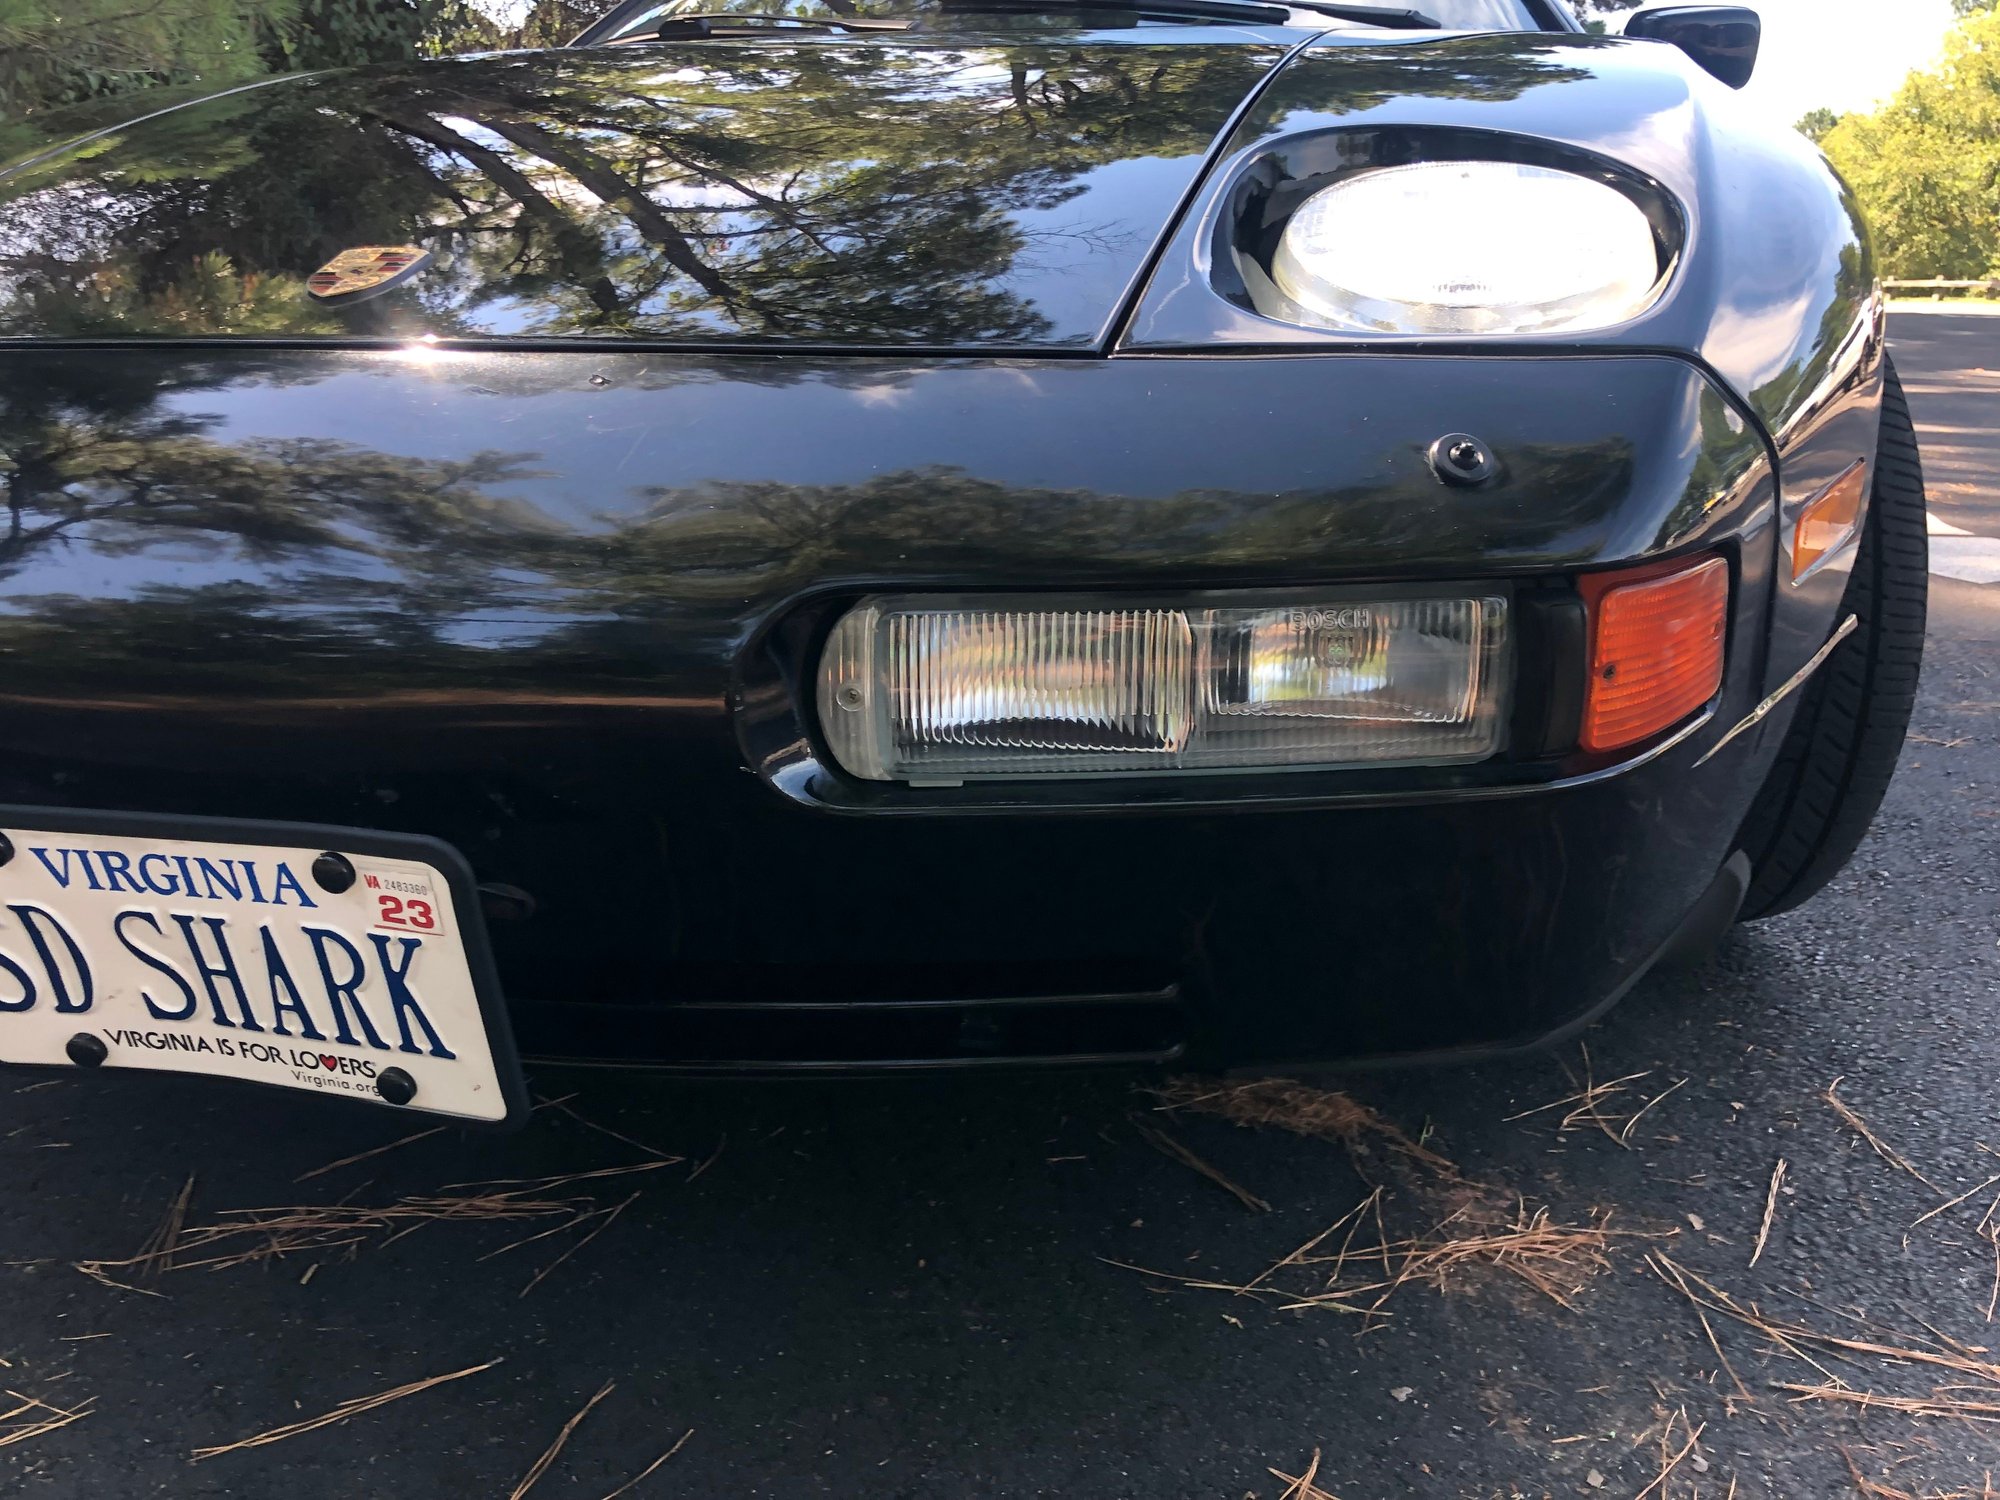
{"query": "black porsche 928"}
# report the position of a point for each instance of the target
(898, 533)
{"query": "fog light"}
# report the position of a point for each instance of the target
(1829, 521)
(1656, 651)
(914, 689)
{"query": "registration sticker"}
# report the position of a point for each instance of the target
(336, 970)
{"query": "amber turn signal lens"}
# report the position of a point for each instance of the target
(1656, 652)
(1828, 522)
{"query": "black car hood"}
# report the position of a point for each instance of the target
(991, 194)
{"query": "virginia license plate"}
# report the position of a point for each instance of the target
(354, 967)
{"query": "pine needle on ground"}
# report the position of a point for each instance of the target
(157, 1254)
(372, 1152)
(1770, 1210)
(1301, 1486)
(1881, 1147)
(30, 1417)
(1973, 1392)
(240, 1236)
(340, 1413)
(541, 1465)
(1362, 1275)
(1588, 1104)
(1938, 1404)
(1167, 1146)
(1670, 1463)
(604, 1220)
(565, 1107)
(633, 1483)
(1284, 1104)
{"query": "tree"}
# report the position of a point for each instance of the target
(1926, 165)
(55, 52)
(62, 52)
(1595, 14)
(798, 188)
(1814, 124)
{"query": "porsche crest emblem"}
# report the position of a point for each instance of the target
(365, 271)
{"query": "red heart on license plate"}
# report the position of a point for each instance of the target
(328, 1061)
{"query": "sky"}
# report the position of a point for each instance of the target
(1844, 54)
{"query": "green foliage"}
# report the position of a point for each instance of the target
(1595, 14)
(63, 52)
(55, 52)
(1815, 124)
(1927, 164)
(1972, 7)
(664, 193)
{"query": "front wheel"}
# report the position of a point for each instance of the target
(1834, 766)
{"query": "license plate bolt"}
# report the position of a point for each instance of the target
(393, 1084)
(334, 872)
(86, 1049)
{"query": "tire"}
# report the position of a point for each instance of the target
(1834, 766)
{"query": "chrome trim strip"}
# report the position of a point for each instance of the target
(1797, 680)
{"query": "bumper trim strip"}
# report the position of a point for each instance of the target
(1792, 684)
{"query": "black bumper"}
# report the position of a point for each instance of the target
(546, 608)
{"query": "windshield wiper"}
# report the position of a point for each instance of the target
(725, 23)
(1222, 10)
(1393, 17)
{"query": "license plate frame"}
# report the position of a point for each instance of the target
(19, 823)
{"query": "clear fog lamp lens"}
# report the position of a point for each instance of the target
(1468, 248)
(939, 690)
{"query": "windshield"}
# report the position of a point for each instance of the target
(640, 18)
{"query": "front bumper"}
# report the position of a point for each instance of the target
(546, 607)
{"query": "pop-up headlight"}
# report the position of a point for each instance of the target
(1468, 249)
(914, 689)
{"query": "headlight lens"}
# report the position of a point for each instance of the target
(940, 690)
(1468, 247)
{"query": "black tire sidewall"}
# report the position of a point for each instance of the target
(1840, 751)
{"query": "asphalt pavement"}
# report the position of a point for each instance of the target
(993, 1288)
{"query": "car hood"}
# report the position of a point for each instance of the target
(998, 193)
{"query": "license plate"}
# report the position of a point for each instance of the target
(335, 961)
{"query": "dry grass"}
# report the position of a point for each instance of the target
(542, 1465)
(1301, 1486)
(1871, 1489)
(710, 1160)
(1357, 1264)
(30, 1417)
(1939, 1403)
(604, 1218)
(1882, 1148)
(1167, 1146)
(1283, 1104)
(242, 1236)
(1877, 1491)
(1967, 1387)
(1591, 1104)
(1951, 1203)
(563, 1106)
(157, 1254)
(1989, 1231)
(633, 1483)
(1557, 1260)
(1770, 1210)
(1672, 1458)
(361, 1156)
(1366, 1268)
(340, 1413)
